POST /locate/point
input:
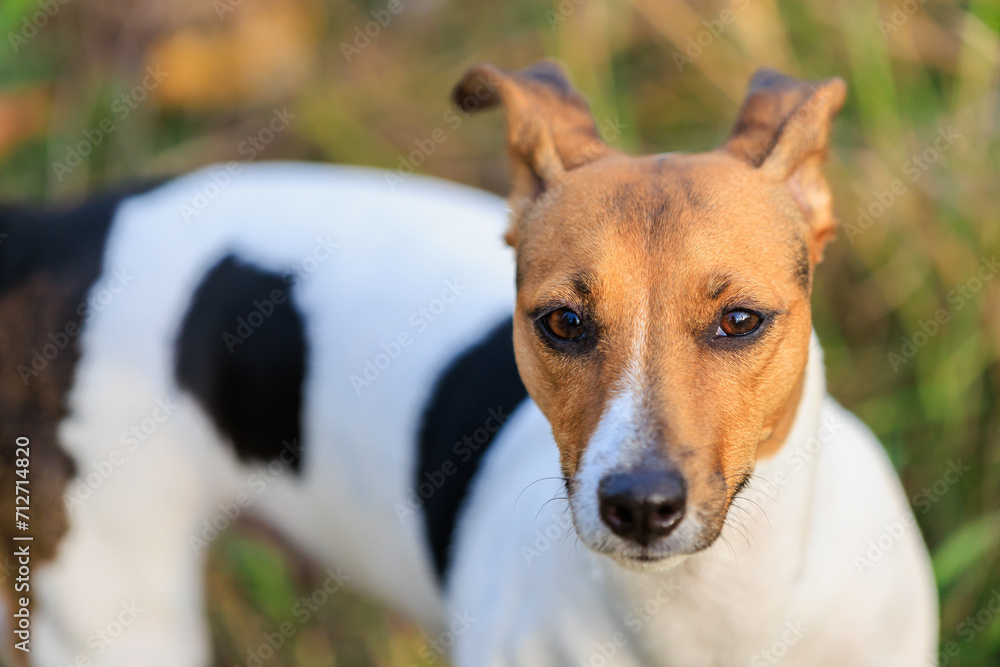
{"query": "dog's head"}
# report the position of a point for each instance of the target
(662, 322)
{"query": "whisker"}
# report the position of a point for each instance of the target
(547, 502)
(758, 505)
(735, 505)
(564, 481)
(728, 545)
(742, 530)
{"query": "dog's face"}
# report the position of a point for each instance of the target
(662, 322)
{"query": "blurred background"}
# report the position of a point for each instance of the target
(100, 92)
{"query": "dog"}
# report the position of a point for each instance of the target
(608, 444)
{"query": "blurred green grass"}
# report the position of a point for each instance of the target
(671, 74)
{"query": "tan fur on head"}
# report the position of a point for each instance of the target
(783, 128)
(549, 127)
(651, 252)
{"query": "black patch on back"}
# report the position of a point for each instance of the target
(67, 243)
(242, 352)
(471, 401)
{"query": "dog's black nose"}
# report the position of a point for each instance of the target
(642, 506)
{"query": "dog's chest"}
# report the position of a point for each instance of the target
(550, 593)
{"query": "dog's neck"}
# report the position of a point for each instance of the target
(765, 534)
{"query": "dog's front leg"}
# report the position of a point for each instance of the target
(125, 588)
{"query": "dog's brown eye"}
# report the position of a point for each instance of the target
(738, 323)
(564, 324)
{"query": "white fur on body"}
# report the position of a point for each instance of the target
(516, 596)
(396, 253)
(789, 580)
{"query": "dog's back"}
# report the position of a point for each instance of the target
(273, 335)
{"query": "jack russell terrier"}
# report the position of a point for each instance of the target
(639, 465)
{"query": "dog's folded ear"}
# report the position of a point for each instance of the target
(782, 129)
(549, 126)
